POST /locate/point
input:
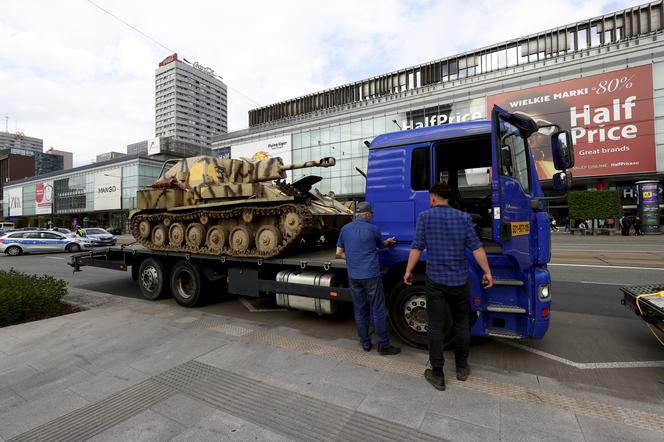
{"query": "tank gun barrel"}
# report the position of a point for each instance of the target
(323, 162)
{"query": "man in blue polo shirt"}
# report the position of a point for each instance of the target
(446, 233)
(359, 242)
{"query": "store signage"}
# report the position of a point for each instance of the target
(443, 114)
(610, 116)
(224, 152)
(154, 146)
(203, 69)
(15, 200)
(264, 149)
(108, 189)
(44, 198)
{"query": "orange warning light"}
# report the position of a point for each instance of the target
(477, 301)
(333, 294)
(545, 312)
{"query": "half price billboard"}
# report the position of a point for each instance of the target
(610, 115)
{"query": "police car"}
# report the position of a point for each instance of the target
(28, 241)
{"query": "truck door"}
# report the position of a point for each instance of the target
(512, 184)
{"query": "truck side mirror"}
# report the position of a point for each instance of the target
(562, 181)
(562, 149)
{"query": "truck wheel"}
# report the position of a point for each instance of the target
(187, 284)
(152, 278)
(408, 314)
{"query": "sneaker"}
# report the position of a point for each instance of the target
(437, 380)
(389, 351)
(462, 373)
(368, 347)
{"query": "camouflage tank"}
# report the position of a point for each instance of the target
(234, 207)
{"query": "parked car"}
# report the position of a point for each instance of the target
(28, 241)
(114, 230)
(99, 237)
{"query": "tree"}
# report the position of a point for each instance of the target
(594, 204)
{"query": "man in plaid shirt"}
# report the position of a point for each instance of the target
(445, 233)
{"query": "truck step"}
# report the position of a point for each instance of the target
(505, 308)
(509, 282)
(502, 333)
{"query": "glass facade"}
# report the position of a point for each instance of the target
(74, 191)
(345, 141)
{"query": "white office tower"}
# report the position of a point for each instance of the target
(191, 102)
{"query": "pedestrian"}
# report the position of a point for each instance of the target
(583, 228)
(445, 233)
(567, 224)
(554, 226)
(637, 226)
(624, 225)
(358, 243)
(80, 233)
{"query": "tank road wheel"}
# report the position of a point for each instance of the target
(187, 284)
(160, 235)
(144, 229)
(240, 240)
(291, 224)
(176, 234)
(195, 234)
(216, 239)
(151, 278)
(268, 240)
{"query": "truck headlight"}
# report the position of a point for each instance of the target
(545, 292)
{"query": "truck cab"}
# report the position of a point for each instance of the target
(492, 173)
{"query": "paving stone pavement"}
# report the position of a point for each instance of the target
(133, 370)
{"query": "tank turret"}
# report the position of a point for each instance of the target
(238, 207)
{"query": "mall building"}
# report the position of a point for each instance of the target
(99, 194)
(602, 78)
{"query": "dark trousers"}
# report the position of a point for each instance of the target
(369, 293)
(458, 298)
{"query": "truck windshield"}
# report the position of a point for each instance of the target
(512, 140)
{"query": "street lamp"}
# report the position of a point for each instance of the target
(395, 122)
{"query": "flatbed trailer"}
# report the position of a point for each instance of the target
(648, 308)
(305, 281)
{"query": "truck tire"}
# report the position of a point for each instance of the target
(152, 276)
(187, 284)
(407, 305)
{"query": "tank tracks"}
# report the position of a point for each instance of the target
(261, 232)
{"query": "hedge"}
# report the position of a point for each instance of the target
(26, 297)
(598, 204)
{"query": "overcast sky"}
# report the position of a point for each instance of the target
(84, 82)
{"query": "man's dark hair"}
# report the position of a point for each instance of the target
(441, 190)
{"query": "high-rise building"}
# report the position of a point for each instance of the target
(191, 102)
(18, 140)
(14, 167)
(68, 157)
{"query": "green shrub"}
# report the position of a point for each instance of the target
(26, 297)
(598, 204)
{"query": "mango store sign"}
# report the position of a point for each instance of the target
(108, 190)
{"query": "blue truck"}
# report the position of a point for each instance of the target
(491, 170)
